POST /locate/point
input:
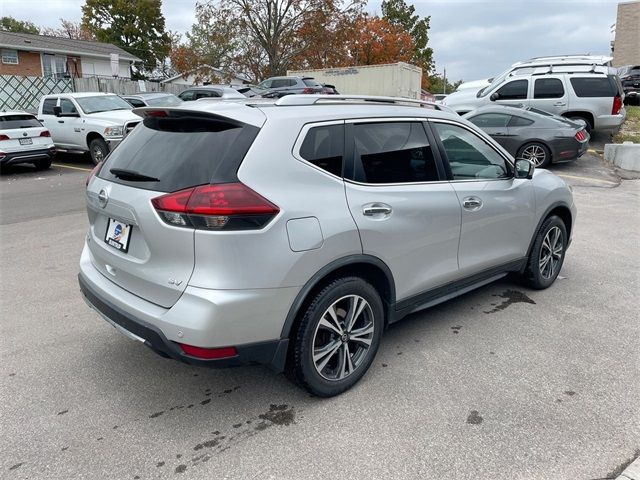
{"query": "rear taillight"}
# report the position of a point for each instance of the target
(3, 137)
(45, 133)
(208, 353)
(617, 105)
(580, 136)
(226, 206)
(308, 90)
(93, 172)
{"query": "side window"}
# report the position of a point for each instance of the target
(394, 152)
(291, 82)
(279, 83)
(47, 106)
(187, 95)
(469, 156)
(594, 87)
(548, 88)
(67, 106)
(520, 122)
(135, 102)
(266, 84)
(490, 120)
(206, 94)
(323, 146)
(516, 90)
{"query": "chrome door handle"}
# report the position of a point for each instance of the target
(373, 209)
(559, 104)
(472, 203)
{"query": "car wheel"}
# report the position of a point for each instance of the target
(98, 149)
(338, 337)
(547, 255)
(535, 152)
(43, 164)
(587, 124)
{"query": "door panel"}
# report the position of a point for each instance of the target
(514, 93)
(405, 215)
(550, 95)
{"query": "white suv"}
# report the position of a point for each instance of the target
(575, 90)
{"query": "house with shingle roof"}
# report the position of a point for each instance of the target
(44, 56)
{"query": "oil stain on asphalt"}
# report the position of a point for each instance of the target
(474, 418)
(511, 297)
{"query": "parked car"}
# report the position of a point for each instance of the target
(630, 78)
(277, 87)
(289, 246)
(23, 139)
(87, 122)
(329, 89)
(572, 89)
(153, 99)
(533, 134)
(209, 91)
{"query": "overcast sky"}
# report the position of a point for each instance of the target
(472, 39)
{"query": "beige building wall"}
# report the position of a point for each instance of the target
(626, 47)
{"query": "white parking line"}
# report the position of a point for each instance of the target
(590, 179)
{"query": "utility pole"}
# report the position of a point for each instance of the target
(444, 81)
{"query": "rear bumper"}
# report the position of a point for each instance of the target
(609, 123)
(28, 156)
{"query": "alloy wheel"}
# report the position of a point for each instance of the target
(535, 154)
(343, 337)
(551, 253)
(98, 155)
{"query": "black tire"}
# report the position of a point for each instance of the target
(535, 276)
(588, 127)
(526, 151)
(302, 366)
(98, 149)
(43, 164)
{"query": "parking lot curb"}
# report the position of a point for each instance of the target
(632, 472)
(625, 155)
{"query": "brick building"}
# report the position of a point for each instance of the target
(626, 46)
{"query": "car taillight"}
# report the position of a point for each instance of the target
(226, 206)
(580, 136)
(93, 172)
(3, 137)
(208, 353)
(45, 133)
(617, 105)
(308, 90)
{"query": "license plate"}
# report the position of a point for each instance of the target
(118, 235)
(25, 141)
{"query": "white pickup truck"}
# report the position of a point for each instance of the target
(87, 122)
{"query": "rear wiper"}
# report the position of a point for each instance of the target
(132, 176)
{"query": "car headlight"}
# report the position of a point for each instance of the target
(114, 131)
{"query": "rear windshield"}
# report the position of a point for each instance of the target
(595, 86)
(310, 82)
(181, 152)
(18, 121)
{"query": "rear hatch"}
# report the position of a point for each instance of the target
(130, 244)
(20, 132)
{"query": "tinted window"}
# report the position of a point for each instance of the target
(594, 87)
(516, 90)
(469, 156)
(181, 152)
(187, 95)
(548, 88)
(135, 102)
(488, 120)
(47, 106)
(323, 146)
(18, 121)
(280, 83)
(207, 94)
(310, 82)
(67, 106)
(394, 152)
(520, 122)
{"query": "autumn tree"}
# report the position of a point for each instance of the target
(10, 24)
(137, 26)
(379, 41)
(398, 13)
(69, 29)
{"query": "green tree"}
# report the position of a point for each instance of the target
(436, 85)
(398, 13)
(10, 24)
(137, 26)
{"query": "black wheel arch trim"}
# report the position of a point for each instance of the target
(543, 217)
(327, 270)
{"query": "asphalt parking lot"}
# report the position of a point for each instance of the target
(502, 383)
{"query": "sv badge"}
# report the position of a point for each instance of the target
(173, 281)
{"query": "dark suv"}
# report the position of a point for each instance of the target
(277, 87)
(630, 78)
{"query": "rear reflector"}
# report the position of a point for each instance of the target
(617, 105)
(208, 353)
(229, 206)
(156, 113)
(308, 90)
(3, 137)
(45, 133)
(581, 136)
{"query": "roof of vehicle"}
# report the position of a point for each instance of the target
(15, 112)
(209, 87)
(79, 94)
(149, 95)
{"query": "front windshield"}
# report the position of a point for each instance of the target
(493, 82)
(104, 103)
(165, 101)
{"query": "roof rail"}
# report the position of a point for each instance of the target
(291, 100)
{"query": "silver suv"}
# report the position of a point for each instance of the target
(292, 233)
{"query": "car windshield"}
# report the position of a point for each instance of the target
(164, 101)
(104, 103)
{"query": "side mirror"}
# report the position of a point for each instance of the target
(494, 96)
(524, 168)
(57, 111)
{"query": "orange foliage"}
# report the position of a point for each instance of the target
(378, 41)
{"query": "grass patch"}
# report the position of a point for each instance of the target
(630, 131)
